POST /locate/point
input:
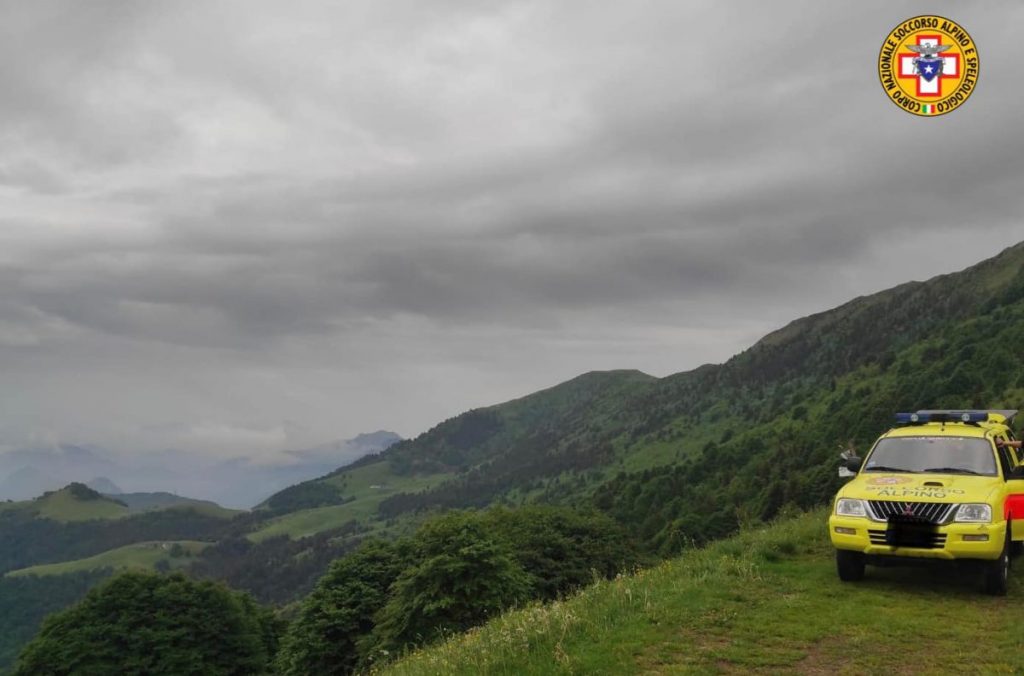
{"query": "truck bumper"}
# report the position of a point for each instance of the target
(960, 541)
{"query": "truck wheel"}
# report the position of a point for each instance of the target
(997, 573)
(850, 565)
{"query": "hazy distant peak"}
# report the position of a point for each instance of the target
(102, 484)
(381, 439)
(26, 482)
(346, 450)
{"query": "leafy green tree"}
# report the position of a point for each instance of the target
(463, 575)
(562, 549)
(26, 600)
(330, 632)
(141, 623)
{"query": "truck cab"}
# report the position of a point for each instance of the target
(941, 485)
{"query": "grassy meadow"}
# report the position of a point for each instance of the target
(765, 601)
(139, 556)
(368, 485)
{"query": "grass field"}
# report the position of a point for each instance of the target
(369, 485)
(142, 555)
(766, 601)
(63, 506)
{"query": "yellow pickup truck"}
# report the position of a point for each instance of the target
(945, 485)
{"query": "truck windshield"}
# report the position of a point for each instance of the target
(939, 455)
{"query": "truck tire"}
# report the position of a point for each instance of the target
(849, 565)
(997, 573)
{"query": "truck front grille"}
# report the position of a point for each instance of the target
(917, 540)
(930, 512)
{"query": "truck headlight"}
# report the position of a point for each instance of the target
(972, 512)
(850, 507)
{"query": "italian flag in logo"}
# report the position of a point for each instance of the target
(927, 108)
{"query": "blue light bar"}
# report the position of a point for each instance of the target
(921, 417)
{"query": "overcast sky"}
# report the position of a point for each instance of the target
(245, 226)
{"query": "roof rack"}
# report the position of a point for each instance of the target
(970, 416)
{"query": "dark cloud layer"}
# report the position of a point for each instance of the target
(223, 217)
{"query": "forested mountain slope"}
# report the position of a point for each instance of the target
(684, 458)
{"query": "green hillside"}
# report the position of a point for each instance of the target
(31, 536)
(74, 502)
(684, 458)
(465, 446)
(767, 600)
(361, 489)
(138, 556)
(78, 502)
(143, 502)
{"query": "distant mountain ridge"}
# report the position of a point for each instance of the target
(236, 482)
(361, 444)
(144, 502)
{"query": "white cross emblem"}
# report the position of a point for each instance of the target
(950, 68)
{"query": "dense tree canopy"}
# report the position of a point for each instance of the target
(139, 623)
(330, 633)
(562, 549)
(277, 569)
(26, 600)
(462, 575)
(455, 572)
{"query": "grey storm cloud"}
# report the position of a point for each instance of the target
(224, 215)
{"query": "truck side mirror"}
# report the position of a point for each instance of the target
(849, 463)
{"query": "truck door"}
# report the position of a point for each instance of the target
(1013, 470)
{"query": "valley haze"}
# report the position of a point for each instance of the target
(234, 482)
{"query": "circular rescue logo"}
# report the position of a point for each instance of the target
(928, 65)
